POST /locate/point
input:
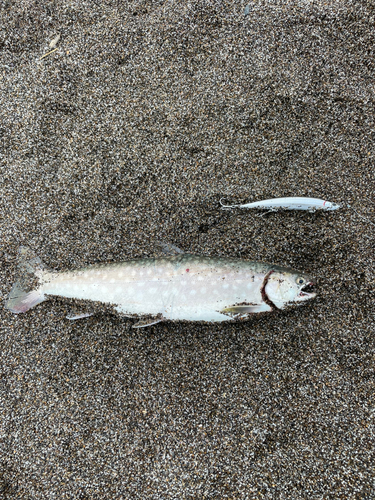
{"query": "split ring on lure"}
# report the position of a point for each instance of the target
(275, 204)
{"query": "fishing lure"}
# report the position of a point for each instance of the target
(275, 204)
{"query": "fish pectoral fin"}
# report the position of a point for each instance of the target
(143, 323)
(169, 249)
(246, 309)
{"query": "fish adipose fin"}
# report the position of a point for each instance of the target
(169, 249)
(24, 294)
(247, 309)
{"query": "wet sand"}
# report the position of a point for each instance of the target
(130, 133)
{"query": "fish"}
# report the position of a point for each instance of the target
(180, 286)
(291, 203)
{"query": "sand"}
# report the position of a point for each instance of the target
(146, 115)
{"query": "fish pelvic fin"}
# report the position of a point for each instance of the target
(73, 317)
(25, 293)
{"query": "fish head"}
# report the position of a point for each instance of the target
(288, 287)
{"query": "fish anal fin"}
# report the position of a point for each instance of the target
(143, 323)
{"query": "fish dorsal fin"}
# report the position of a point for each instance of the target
(169, 249)
(246, 309)
(143, 323)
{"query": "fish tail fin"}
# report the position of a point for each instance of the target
(25, 293)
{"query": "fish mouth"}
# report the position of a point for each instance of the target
(306, 292)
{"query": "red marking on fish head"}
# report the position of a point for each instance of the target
(187, 270)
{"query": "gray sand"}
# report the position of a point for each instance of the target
(130, 133)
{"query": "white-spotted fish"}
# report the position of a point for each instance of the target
(179, 287)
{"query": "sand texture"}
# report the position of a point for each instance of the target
(140, 119)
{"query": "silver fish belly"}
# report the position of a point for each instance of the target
(181, 287)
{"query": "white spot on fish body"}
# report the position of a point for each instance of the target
(193, 292)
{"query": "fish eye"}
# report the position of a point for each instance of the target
(300, 280)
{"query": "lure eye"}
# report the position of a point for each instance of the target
(300, 280)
